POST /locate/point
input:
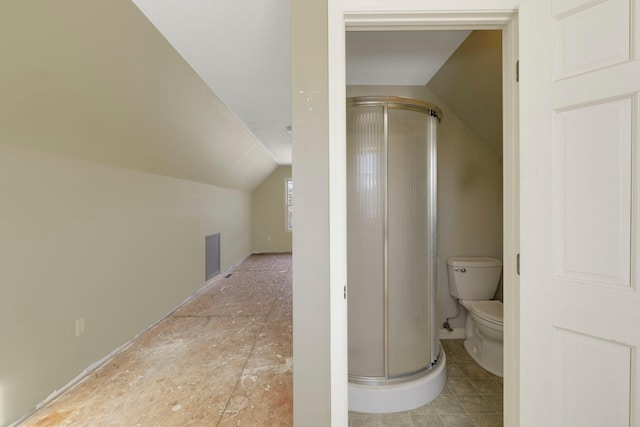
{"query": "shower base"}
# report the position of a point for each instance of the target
(400, 396)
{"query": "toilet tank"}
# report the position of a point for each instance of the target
(473, 278)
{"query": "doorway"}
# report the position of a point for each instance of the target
(319, 102)
(461, 72)
(498, 20)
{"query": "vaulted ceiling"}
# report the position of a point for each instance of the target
(241, 50)
(93, 79)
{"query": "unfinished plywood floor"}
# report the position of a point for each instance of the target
(222, 359)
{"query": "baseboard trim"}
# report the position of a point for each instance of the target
(456, 334)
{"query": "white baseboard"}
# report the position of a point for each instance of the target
(456, 334)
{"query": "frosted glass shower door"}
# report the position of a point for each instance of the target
(410, 240)
(366, 175)
(391, 259)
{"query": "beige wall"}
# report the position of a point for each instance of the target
(312, 393)
(470, 82)
(94, 79)
(118, 247)
(469, 191)
(116, 161)
(269, 214)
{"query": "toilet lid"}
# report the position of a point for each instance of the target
(490, 310)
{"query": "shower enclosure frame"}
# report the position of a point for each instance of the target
(425, 383)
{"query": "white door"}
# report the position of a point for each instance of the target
(580, 212)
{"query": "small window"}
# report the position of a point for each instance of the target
(288, 186)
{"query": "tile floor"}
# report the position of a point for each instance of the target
(225, 359)
(222, 359)
(471, 398)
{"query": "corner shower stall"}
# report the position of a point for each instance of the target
(395, 359)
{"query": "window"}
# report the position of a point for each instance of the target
(288, 189)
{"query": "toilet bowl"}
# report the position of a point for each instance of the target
(473, 282)
(484, 331)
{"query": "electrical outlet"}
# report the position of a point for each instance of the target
(79, 326)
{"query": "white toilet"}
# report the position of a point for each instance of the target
(473, 282)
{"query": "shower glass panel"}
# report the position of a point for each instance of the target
(391, 259)
(409, 242)
(366, 171)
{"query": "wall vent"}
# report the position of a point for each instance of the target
(212, 255)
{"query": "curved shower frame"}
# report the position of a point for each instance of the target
(379, 393)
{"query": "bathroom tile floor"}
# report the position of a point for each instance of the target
(222, 359)
(471, 398)
(225, 359)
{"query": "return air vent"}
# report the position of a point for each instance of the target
(212, 255)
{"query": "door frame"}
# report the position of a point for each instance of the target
(344, 18)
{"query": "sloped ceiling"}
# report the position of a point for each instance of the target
(463, 68)
(470, 83)
(204, 95)
(94, 79)
(407, 58)
(241, 49)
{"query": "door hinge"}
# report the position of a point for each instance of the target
(518, 70)
(518, 264)
(345, 291)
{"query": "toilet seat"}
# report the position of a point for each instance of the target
(489, 311)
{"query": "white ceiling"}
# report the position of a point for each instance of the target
(241, 49)
(407, 58)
